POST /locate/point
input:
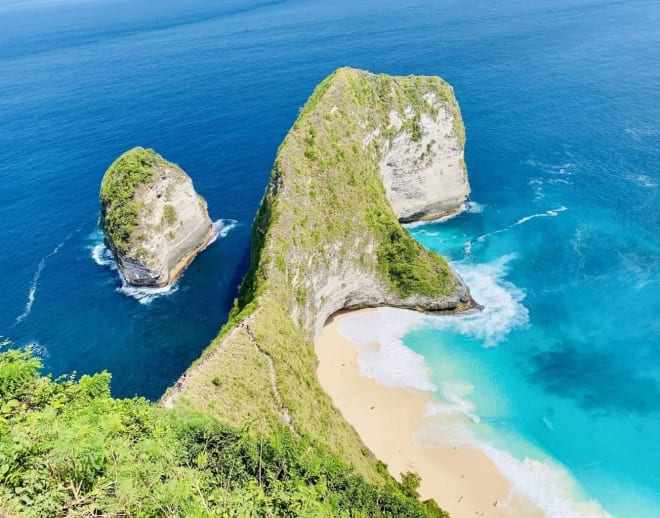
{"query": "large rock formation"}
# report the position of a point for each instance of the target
(326, 238)
(423, 170)
(153, 220)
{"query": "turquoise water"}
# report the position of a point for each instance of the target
(561, 103)
(565, 354)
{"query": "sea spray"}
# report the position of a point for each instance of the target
(520, 221)
(220, 228)
(382, 355)
(468, 207)
(103, 256)
(501, 301)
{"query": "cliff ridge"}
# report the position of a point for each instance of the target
(327, 237)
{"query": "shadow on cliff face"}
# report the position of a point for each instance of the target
(597, 382)
(241, 271)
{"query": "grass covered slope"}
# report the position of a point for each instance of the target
(325, 238)
(69, 449)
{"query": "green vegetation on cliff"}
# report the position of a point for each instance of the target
(329, 166)
(251, 433)
(68, 448)
(325, 215)
(119, 210)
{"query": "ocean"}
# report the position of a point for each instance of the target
(558, 378)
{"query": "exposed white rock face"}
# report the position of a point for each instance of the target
(343, 285)
(173, 226)
(425, 179)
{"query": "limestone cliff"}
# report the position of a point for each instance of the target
(153, 220)
(326, 238)
(423, 169)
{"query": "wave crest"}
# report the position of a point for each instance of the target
(103, 256)
(502, 310)
(32, 291)
(382, 354)
(546, 483)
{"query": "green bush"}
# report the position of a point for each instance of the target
(68, 448)
(119, 213)
(169, 214)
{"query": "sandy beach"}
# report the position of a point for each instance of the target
(463, 480)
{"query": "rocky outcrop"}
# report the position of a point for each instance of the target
(364, 153)
(424, 172)
(153, 220)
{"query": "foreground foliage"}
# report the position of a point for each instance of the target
(68, 448)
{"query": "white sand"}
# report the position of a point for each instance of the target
(463, 480)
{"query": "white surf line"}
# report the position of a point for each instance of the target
(31, 292)
(549, 213)
(468, 207)
(37, 275)
(144, 294)
(221, 228)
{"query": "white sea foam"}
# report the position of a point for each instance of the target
(564, 169)
(469, 207)
(546, 483)
(221, 228)
(39, 350)
(456, 402)
(102, 256)
(502, 311)
(473, 207)
(145, 295)
(525, 219)
(548, 213)
(642, 180)
(392, 363)
(32, 291)
(537, 186)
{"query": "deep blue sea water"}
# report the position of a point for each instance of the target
(561, 101)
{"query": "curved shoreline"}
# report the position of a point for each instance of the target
(326, 238)
(463, 479)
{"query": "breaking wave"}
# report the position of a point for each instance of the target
(382, 354)
(469, 207)
(548, 213)
(103, 256)
(32, 291)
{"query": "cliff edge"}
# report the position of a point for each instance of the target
(153, 220)
(328, 237)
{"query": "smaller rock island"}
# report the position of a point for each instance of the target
(153, 220)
